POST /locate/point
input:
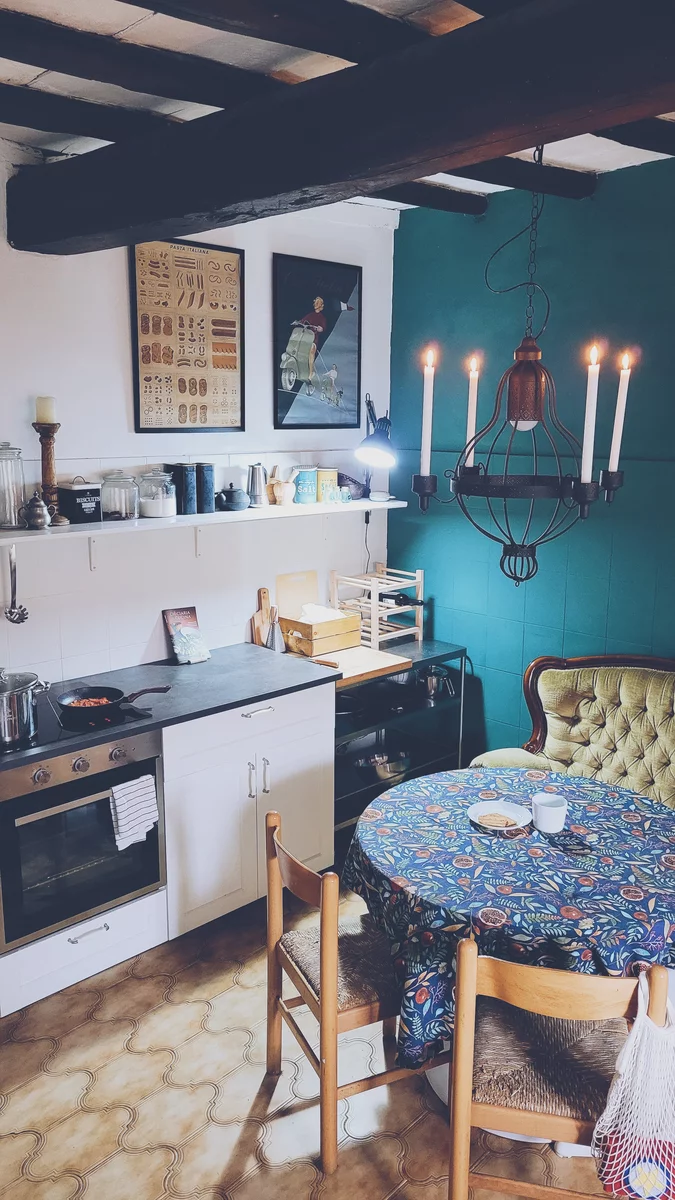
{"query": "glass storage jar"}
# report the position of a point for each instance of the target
(158, 494)
(119, 497)
(12, 487)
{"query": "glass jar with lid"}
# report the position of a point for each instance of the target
(12, 487)
(119, 497)
(158, 494)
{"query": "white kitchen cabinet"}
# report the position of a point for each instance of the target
(222, 774)
(295, 779)
(211, 858)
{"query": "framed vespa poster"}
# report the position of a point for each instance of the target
(317, 344)
(187, 314)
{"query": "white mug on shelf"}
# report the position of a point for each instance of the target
(549, 810)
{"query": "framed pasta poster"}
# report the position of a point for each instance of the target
(187, 319)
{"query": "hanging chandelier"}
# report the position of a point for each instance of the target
(524, 479)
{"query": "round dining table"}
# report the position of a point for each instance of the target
(430, 877)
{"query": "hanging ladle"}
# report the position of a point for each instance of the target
(16, 613)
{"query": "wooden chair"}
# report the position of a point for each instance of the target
(561, 1096)
(347, 982)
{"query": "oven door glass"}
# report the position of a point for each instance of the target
(59, 860)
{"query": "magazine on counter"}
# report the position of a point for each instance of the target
(186, 637)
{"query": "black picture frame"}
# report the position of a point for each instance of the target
(135, 344)
(296, 284)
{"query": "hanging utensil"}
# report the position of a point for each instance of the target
(16, 613)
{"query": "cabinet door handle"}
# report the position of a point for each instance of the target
(87, 933)
(266, 763)
(251, 785)
(257, 711)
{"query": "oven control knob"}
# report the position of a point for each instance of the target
(81, 765)
(41, 776)
(118, 754)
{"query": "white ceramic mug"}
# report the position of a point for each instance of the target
(549, 810)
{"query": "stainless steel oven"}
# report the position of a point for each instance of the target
(59, 861)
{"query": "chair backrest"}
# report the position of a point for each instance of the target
(550, 993)
(299, 879)
(607, 717)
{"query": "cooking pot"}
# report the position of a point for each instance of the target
(85, 716)
(19, 691)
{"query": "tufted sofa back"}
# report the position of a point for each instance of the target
(613, 723)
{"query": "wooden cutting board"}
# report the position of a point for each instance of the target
(294, 590)
(260, 622)
(361, 663)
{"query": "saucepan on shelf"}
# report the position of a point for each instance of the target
(86, 706)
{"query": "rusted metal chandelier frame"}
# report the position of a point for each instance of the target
(525, 403)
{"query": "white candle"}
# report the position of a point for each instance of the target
(427, 414)
(471, 411)
(589, 421)
(620, 414)
(45, 410)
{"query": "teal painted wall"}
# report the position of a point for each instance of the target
(608, 585)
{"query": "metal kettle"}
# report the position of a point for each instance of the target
(257, 486)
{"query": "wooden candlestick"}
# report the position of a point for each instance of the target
(47, 432)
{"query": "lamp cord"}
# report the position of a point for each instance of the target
(530, 283)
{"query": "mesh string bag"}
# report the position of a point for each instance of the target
(634, 1139)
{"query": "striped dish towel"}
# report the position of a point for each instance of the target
(134, 811)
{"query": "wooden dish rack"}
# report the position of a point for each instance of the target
(378, 623)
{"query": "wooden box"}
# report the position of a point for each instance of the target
(303, 637)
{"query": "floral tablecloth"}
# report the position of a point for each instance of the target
(429, 876)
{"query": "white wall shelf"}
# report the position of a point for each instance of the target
(273, 512)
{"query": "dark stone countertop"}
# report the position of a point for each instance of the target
(233, 676)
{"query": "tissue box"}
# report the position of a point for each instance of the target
(322, 637)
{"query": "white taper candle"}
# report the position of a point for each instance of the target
(620, 413)
(471, 411)
(427, 414)
(589, 421)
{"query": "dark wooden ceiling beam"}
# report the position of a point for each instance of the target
(337, 27)
(56, 47)
(431, 195)
(518, 173)
(488, 89)
(51, 113)
(655, 135)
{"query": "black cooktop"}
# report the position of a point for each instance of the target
(53, 729)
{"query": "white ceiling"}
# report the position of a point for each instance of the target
(147, 28)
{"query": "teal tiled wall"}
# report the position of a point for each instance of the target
(608, 585)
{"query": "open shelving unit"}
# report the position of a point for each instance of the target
(272, 512)
(395, 718)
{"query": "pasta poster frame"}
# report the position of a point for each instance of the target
(187, 325)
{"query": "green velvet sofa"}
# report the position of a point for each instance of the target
(607, 717)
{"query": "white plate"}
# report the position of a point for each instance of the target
(522, 816)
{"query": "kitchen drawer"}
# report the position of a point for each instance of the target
(55, 962)
(186, 745)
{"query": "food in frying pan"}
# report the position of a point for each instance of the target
(89, 702)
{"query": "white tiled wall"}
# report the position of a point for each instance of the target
(82, 622)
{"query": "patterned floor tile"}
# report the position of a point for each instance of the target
(42, 1101)
(79, 1143)
(148, 1081)
(131, 1076)
(169, 1116)
(139, 1175)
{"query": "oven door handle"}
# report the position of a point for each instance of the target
(61, 808)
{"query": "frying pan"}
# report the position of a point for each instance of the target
(85, 717)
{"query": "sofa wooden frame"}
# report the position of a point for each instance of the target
(551, 663)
